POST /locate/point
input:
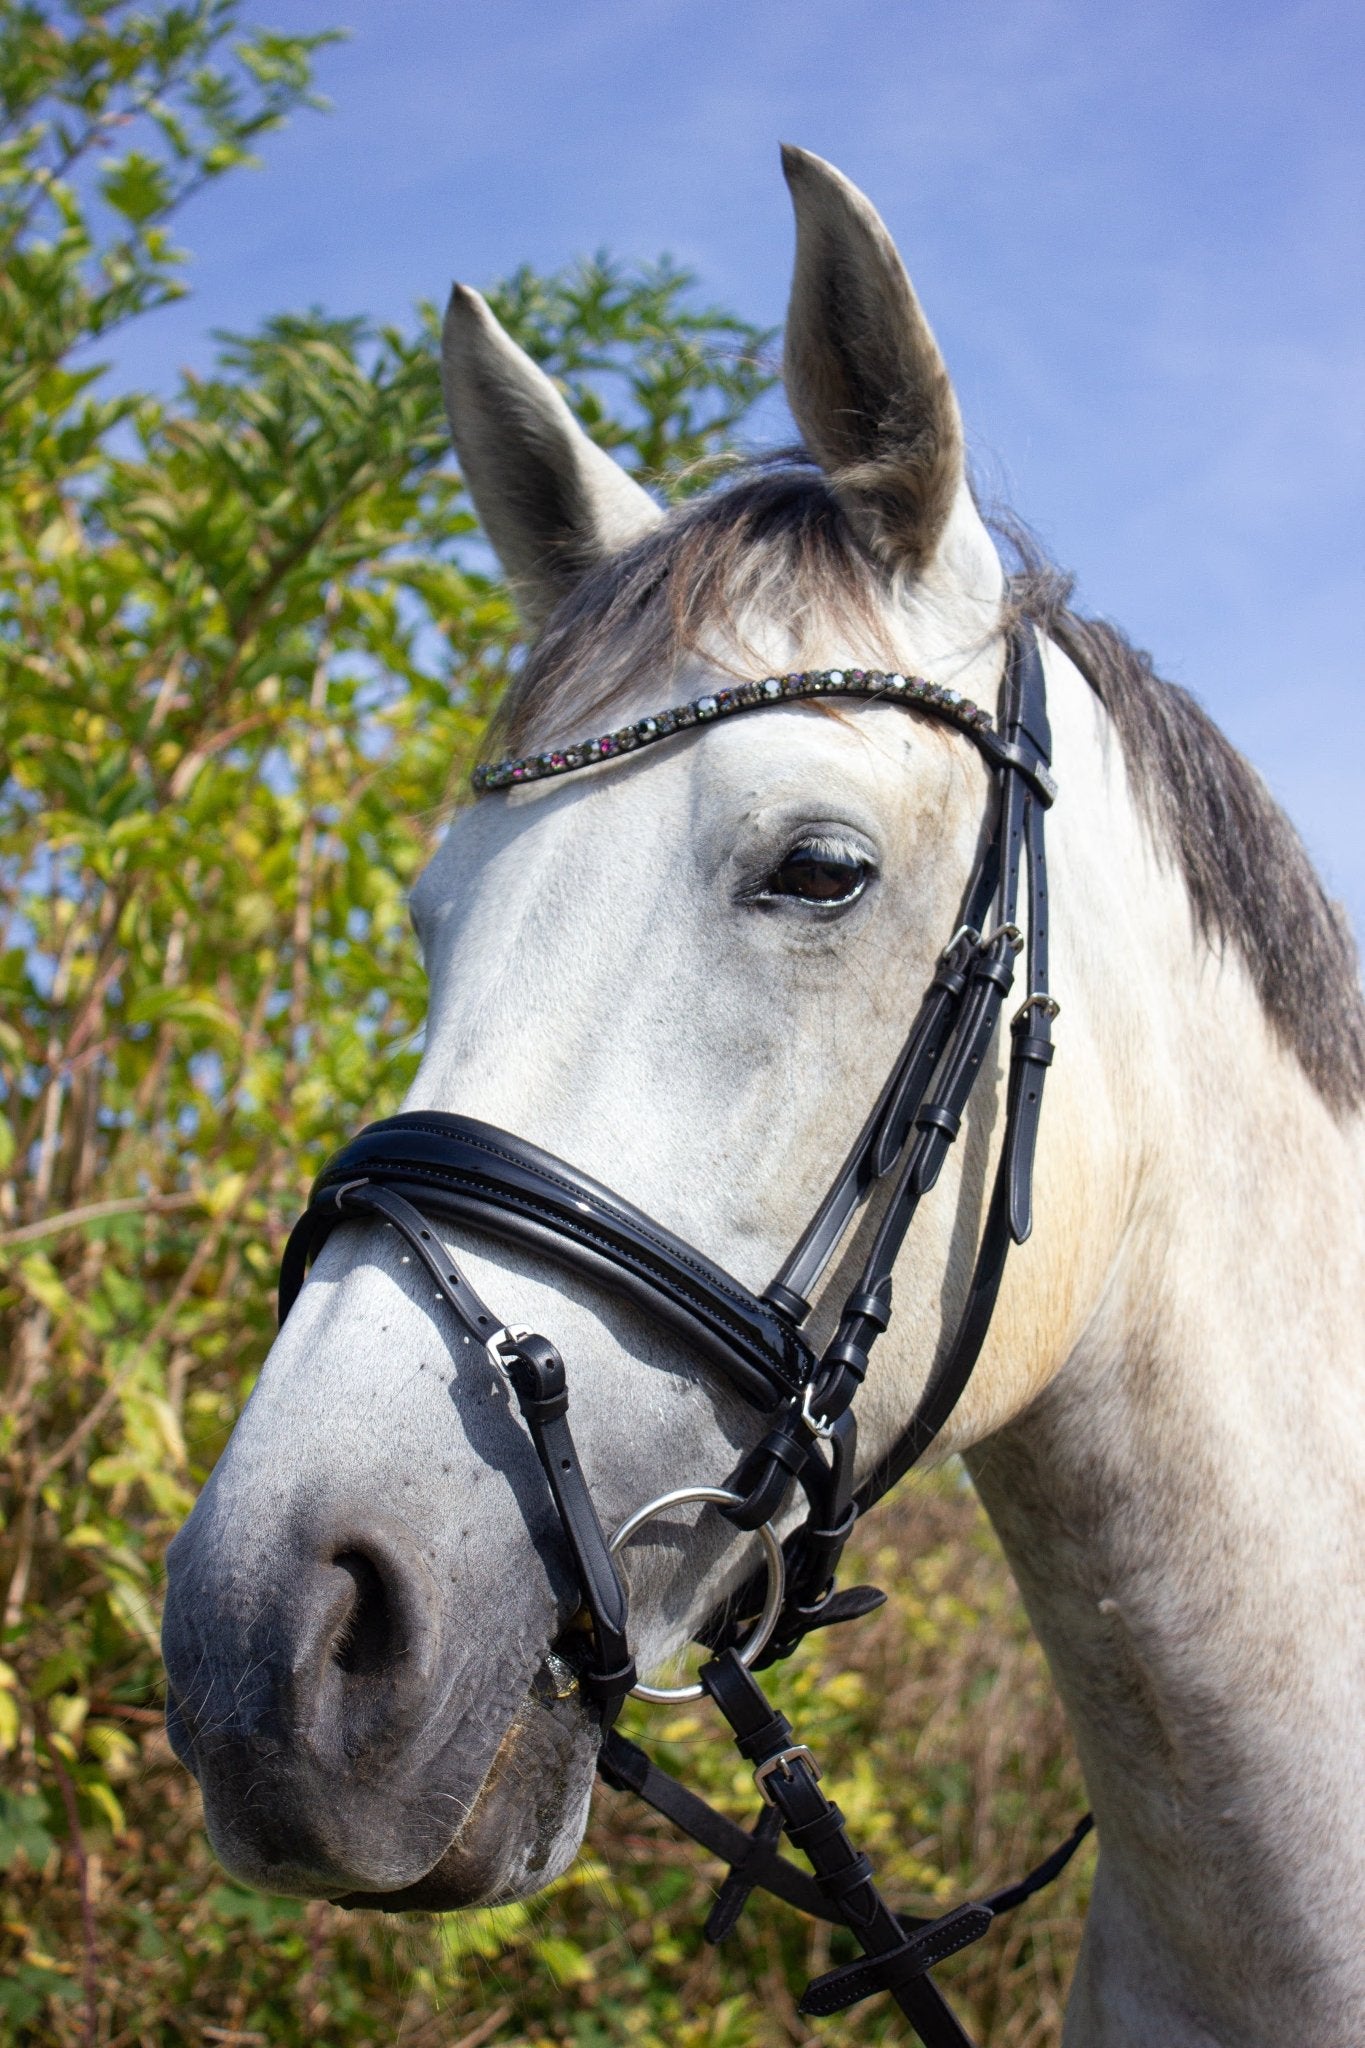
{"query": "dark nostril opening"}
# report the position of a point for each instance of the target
(367, 1641)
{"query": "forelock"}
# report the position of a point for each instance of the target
(774, 545)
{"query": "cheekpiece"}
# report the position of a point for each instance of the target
(751, 696)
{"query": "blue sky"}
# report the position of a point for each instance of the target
(1138, 231)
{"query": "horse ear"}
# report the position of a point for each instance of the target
(551, 501)
(865, 380)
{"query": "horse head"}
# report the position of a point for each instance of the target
(687, 974)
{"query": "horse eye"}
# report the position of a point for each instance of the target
(816, 873)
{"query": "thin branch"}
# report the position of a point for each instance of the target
(23, 1563)
(95, 1212)
(144, 1717)
(189, 764)
(485, 2029)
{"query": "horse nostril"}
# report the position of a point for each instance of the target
(367, 1641)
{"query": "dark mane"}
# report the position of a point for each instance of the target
(778, 535)
(1250, 882)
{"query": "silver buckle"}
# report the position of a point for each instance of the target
(964, 931)
(783, 1762)
(1038, 1001)
(818, 1425)
(510, 1333)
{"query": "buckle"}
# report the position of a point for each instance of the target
(509, 1336)
(965, 938)
(1038, 1000)
(783, 1762)
(818, 1425)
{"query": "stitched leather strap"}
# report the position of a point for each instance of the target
(816, 1826)
(535, 1372)
(839, 1989)
(627, 1768)
(1009, 1218)
(882, 1139)
(457, 1167)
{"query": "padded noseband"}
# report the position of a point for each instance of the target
(470, 1172)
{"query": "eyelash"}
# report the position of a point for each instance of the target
(826, 861)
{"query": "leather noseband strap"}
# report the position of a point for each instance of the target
(455, 1167)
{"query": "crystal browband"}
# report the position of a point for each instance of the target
(750, 696)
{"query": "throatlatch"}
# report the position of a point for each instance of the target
(411, 1167)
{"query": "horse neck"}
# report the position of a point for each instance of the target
(1184, 1503)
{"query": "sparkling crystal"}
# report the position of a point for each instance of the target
(736, 697)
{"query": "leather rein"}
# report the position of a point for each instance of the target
(410, 1169)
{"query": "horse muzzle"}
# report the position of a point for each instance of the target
(328, 1713)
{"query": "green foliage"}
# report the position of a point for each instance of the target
(111, 117)
(248, 644)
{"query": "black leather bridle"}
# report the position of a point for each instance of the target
(410, 1169)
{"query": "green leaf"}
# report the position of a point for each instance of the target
(24, 1993)
(23, 1828)
(138, 187)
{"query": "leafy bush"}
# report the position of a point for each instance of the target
(248, 643)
